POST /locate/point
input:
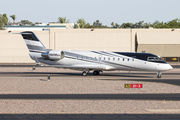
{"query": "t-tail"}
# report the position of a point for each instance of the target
(34, 44)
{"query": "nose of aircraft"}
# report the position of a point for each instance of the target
(164, 67)
(170, 67)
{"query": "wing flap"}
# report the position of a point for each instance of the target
(80, 67)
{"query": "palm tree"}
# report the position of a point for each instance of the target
(97, 24)
(81, 23)
(1, 22)
(5, 19)
(112, 24)
(97, 21)
(63, 20)
(13, 17)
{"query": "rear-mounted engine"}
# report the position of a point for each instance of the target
(53, 55)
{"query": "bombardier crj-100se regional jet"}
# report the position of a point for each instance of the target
(96, 61)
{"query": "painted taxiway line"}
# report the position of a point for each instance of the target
(167, 97)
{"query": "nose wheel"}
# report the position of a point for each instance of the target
(85, 73)
(159, 75)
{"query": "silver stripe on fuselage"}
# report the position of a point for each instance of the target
(31, 42)
(74, 54)
(101, 62)
(107, 63)
(32, 47)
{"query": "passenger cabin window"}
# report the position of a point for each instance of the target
(113, 59)
(132, 59)
(104, 58)
(79, 57)
(108, 58)
(118, 59)
(128, 59)
(123, 59)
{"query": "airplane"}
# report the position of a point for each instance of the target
(96, 61)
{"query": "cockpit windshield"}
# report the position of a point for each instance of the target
(154, 59)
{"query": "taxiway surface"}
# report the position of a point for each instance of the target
(90, 116)
(172, 97)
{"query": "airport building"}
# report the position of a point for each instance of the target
(162, 42)
(39, 26)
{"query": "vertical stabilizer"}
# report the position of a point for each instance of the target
(32, 42)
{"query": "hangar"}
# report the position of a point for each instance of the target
(162, 42)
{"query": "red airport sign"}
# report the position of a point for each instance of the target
(136, 85)
(132, 85)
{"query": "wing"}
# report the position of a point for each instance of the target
(76, 67)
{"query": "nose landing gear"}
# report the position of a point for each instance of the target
(159, 74)
(96, 72)
(85, 73)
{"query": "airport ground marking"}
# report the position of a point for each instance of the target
(133, 85)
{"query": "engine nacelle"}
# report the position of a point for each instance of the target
(53, 55)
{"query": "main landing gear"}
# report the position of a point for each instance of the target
(96, 72)
(159, 74)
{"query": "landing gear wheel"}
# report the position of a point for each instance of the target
(96, 72)
(85, 73)
(159, 75)
(33, 68)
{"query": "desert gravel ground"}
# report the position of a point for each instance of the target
(88, 106)
(84, 85)
(79, 84)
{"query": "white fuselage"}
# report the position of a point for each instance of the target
(111, 61)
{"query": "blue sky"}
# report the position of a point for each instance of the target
(107, 11)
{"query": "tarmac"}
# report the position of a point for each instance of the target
(90, 116)
(161, 97)
(28, 94)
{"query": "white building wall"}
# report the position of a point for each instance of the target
(158, 41)
(13, 48)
